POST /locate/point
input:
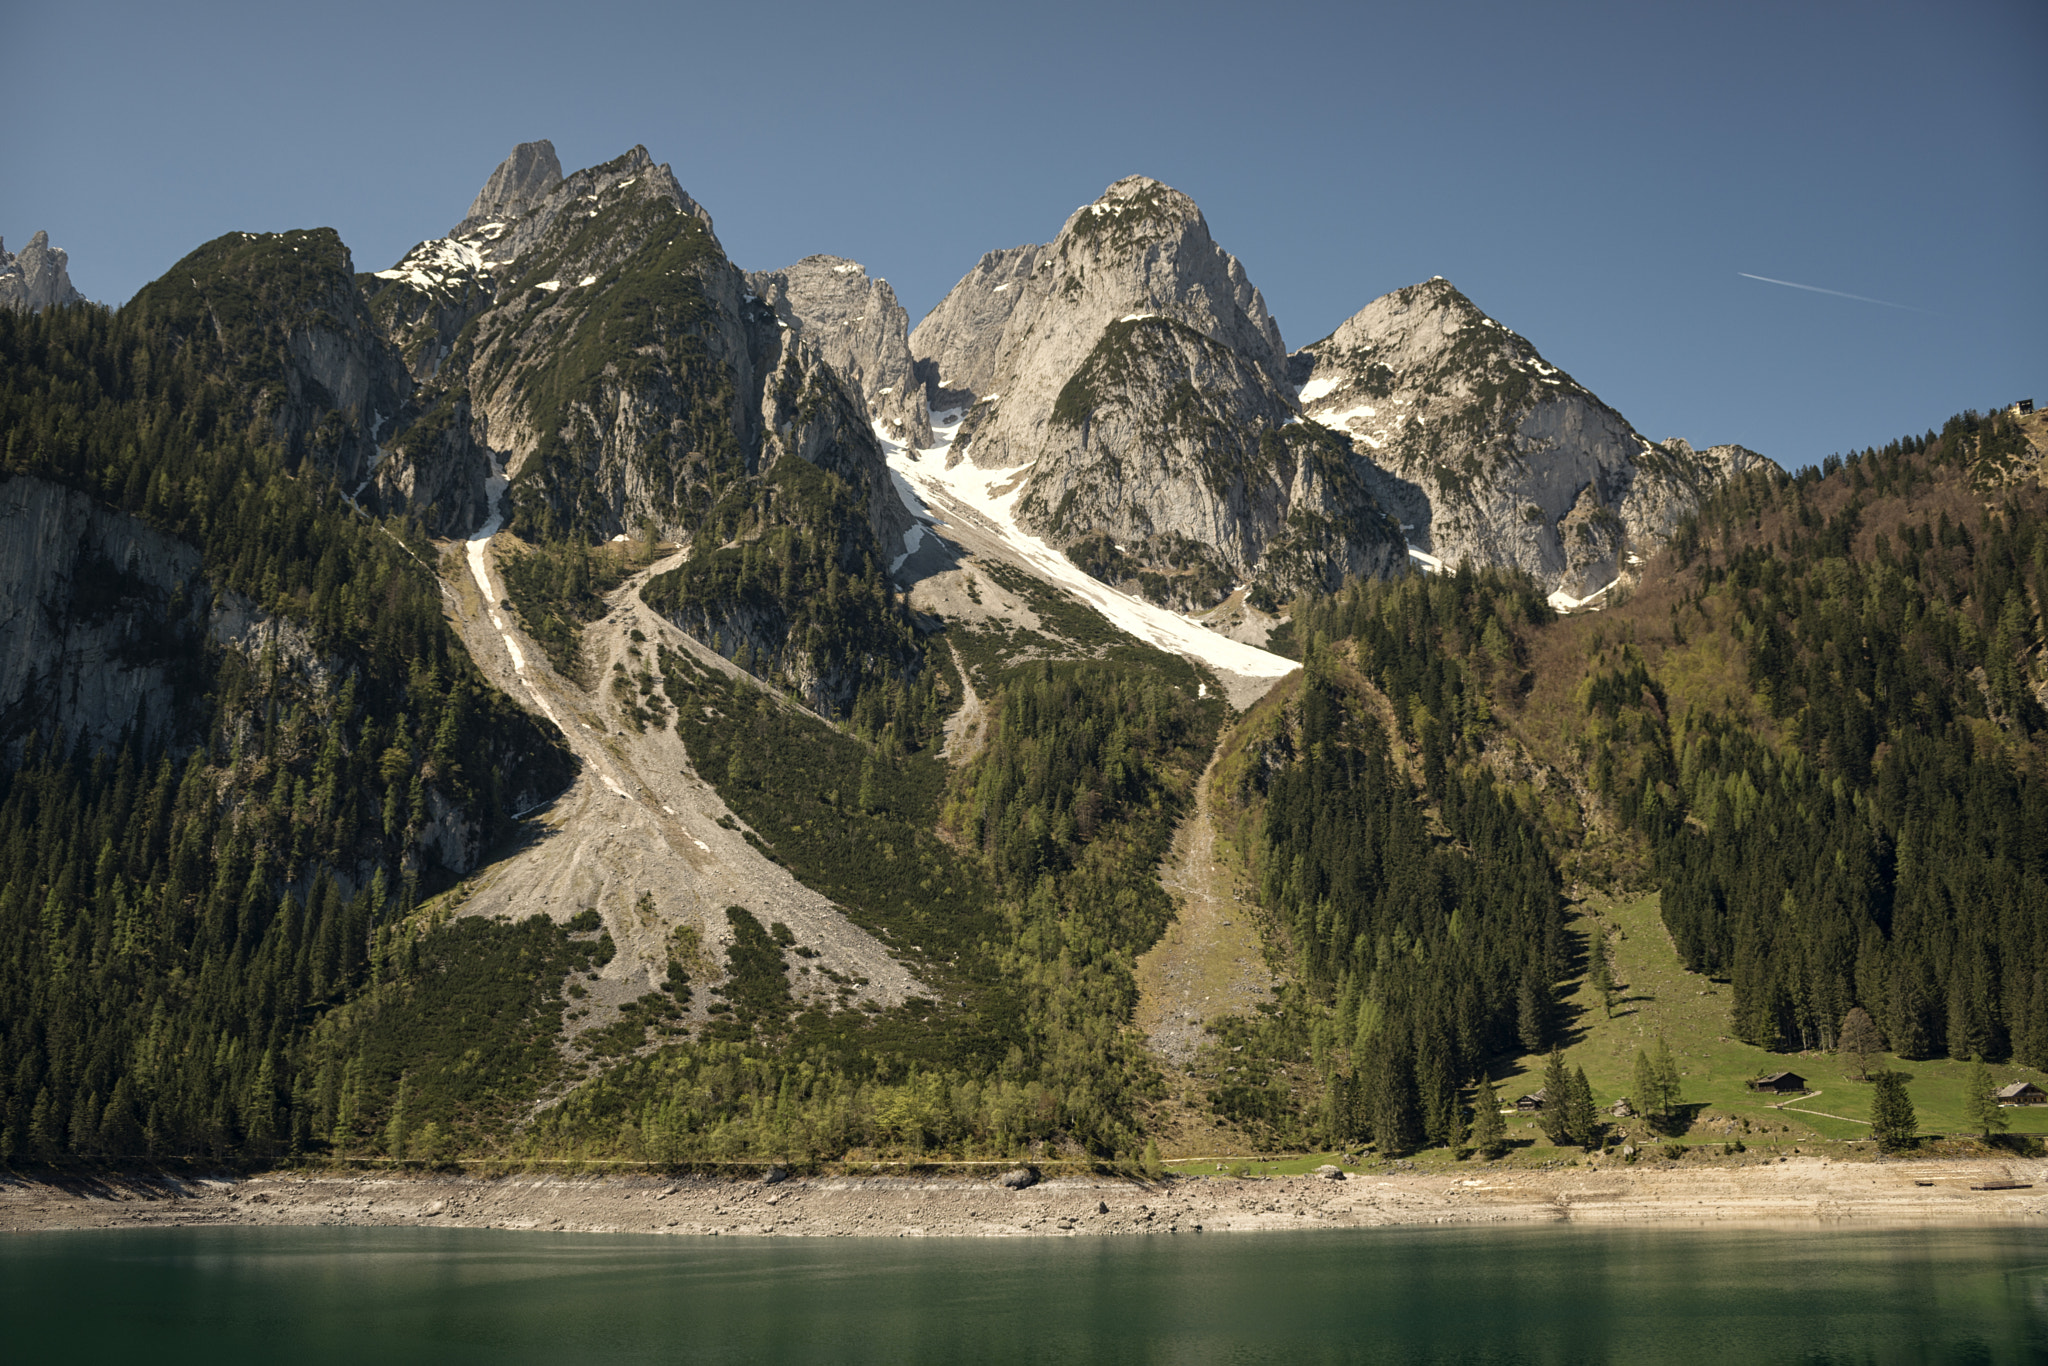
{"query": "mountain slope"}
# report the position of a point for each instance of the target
(1487, 453)
(860, 330)
(1133, 369)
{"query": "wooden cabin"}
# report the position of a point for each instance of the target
(1530, 1103)
(1780, 1084)
(2022, 1093)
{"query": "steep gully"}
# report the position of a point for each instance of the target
(639, 836)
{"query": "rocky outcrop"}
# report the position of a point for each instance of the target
(1142, 250)
(588, 334)
(1134, 368)
(956, 345)
(102, 623)
(862, 332)
(295, 337)
(36, 279)
(1488, 453)
(521, 181)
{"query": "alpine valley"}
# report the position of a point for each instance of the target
(565, 697)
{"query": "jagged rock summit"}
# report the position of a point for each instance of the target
(860, 330)
(36, 279)
(521, 181)
(1488, 453)
(1133, 367)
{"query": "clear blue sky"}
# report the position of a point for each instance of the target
(1596, 177)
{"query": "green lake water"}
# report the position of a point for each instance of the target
(1540, 1294)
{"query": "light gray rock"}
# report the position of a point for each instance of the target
(36, 279)
(861, 331)
(1018, 1178)
(1488, 453)
(956, 345)
(101, 621)
(1133, 366)
(521, 181)
(1141, 250)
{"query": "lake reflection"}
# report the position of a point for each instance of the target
(1540, 1294)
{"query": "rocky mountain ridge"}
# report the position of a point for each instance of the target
(1488, 453)
(860, 330)
(36, 278)
(1134, 368)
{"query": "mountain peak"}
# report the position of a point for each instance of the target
(36, 279)
(521, 181)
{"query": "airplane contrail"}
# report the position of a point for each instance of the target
(1816, 289)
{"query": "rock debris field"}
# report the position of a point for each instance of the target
(915, 1206)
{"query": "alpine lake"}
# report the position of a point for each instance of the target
(1550, 1293)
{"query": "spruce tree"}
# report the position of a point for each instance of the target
(1980, 1101)
(1600, 971)
(1649, 1092)
(1892, 1121)
(1556, 1112)
(1669, 1094)
(1582, 1121)
(1489, 1133)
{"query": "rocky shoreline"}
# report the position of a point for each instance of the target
(1800, 1189)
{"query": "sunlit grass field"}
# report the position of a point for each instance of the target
(1657, 996)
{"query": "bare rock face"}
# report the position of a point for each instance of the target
(1134, 368)
(37, 279)
(102, 622)
(956, 346)
(1488, 453)
(861, 331)
(519, 183)
(1141, 250)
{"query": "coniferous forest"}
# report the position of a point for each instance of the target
(1813, 722)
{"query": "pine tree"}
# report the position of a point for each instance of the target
(1489, 1133)
(1648, 1091)
(1556, 1112)
(1600, 970)
(1859, 1044)
(1980, 1101)
(1150, 1163)
(1892, 1121)
(1669, 1094)
(1582, 1121)
(398, 1130)
(1396, 1127)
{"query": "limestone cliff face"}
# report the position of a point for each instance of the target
(36, 279)
(1488, 453)
(956, 345)
(1142, 249)
(860, 330)
(102, 622)
(521, 181)
(1134, 368)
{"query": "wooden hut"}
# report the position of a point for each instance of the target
(2022, 1093)
(1781, 1084)
(1530, 1103)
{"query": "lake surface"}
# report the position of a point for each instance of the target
(1539, 1294)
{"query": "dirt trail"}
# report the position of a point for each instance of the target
(639, 837)
(1208, 963)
